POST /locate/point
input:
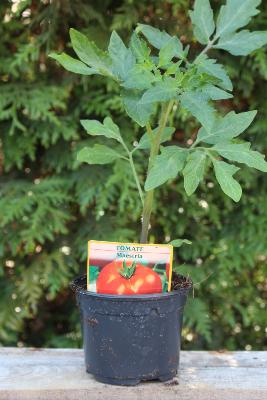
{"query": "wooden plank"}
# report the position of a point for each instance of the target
(27, 374)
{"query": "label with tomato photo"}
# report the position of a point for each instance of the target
(128, 268)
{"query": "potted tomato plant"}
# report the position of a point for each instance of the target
(132, 338)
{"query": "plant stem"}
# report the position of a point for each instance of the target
(205, 50)
(137, 182)
(146, 215)
(193, 145)
(208, 47)
(136, 179)
(155, 145)
(149, 132)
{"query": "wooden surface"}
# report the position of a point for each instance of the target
(47, 374)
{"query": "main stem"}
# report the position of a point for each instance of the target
(155, 145)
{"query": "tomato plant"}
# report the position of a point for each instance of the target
(155, 74)
(125, 277)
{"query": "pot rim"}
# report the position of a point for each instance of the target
(76, 287)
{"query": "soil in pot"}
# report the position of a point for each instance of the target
(180, 282)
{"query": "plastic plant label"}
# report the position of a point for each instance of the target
(128, 268)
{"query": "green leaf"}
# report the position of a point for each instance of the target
(139, 48)
(89, 53)
(168, 51)
(202, 20)
(227, 127)
(72, 65)
(210, 67)
(194, 171)
(137, 110)
(241, 153)
(179, 242)
(155, 37)
(197, 103)
(123, 59)
(235, 14)
(215, 93)
(224, 174)
(173, 68)
(242, 43)
(158, 38)
(107, 129)
(166, 135)
(166, 166)
(139, 78)
(98, 154)
(161, 91)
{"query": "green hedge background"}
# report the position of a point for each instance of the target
(50, 205)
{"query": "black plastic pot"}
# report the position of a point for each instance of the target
(128, 339)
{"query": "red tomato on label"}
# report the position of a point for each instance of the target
(139, 280)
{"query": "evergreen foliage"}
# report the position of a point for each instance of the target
(51, 203)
